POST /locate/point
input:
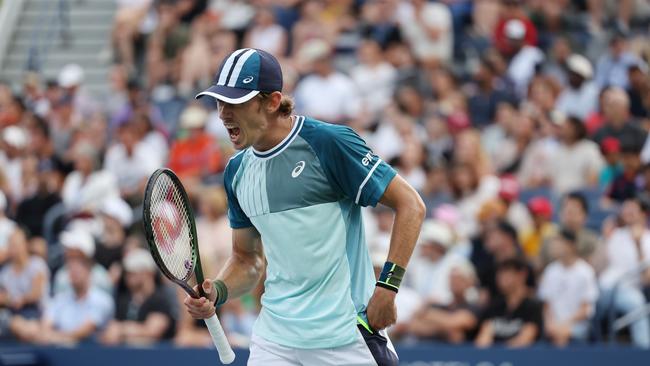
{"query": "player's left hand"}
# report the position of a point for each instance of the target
(381, 310)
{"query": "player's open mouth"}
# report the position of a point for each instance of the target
(233, 133)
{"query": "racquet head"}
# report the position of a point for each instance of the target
(170, 230)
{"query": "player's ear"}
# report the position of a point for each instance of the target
(273, 102)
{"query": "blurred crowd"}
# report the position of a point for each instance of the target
(522, 123)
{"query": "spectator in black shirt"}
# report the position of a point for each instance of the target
(618, 124)
(638, 92)
(514, 319)
(144, 314)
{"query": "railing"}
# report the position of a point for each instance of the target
(50, 25)
(9, 14)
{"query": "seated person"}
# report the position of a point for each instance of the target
(514, 318)
(569, 291)
(144, 314)
(456, 322)
(78, 241)
(74, 315)
(23, 283)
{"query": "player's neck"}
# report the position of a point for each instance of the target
(277, 130)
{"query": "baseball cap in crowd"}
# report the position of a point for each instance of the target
(541, 206)
(580, 65)
(70, 75)
(509, 188)
(515, 29)
(193, 116)
(139, 260)
(118, 209)
(80, 240)
(244, 74)
(610, 145)
(436, 232)
(15, 136)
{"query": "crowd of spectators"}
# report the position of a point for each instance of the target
(522, 123)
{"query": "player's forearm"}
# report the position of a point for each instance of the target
(246, 265)
(242, 273)
(409, 214)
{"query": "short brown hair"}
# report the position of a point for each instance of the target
(286, 104)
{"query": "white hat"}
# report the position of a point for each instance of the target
(80, 240)
(313, 50)
(193, 116)
(436, 232)
(515, 29)
(15, 136)
(71, 75)
(580, 65)
(139, 260)
(118, 209)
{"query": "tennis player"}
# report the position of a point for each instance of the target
(295, 192)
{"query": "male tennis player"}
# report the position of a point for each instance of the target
(295, 192)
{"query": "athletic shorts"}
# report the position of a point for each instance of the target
(370, 349)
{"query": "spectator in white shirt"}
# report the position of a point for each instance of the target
(427, 27)
(628, 247)
(86, 187)
(374, 77)
(569, 291)
(580, 98)
(325, 83)
(432, 266)
(523, 64)
(266, 34)
(130, 160)
(6, 228)
(577, 161)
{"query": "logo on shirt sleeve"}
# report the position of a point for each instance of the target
(367, 159)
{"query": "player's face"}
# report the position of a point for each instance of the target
(245, 122)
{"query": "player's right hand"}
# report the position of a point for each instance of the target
(202, 308)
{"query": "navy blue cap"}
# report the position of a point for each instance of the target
(244, 74)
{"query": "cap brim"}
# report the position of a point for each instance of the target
(228, 94)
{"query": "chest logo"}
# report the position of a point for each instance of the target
(300, 166)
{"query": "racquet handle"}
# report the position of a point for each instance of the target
(226, 355)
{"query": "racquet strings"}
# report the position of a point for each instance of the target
(171, 228)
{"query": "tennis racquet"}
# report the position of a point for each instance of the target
(171, 234)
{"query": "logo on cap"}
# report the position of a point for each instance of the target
(247, 80)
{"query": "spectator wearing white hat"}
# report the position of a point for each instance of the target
(76, 313)
(432, 266)
(71, 79)
(580, 98)
(523, 64)
(115, 217)
(79, 243)
(6, 228)
(144, 314)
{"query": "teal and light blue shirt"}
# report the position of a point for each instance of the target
(304, 197)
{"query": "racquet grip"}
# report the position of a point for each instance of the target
(226, 355)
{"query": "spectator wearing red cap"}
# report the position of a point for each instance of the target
(610, 147)
(517, 213)
(542, 229)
